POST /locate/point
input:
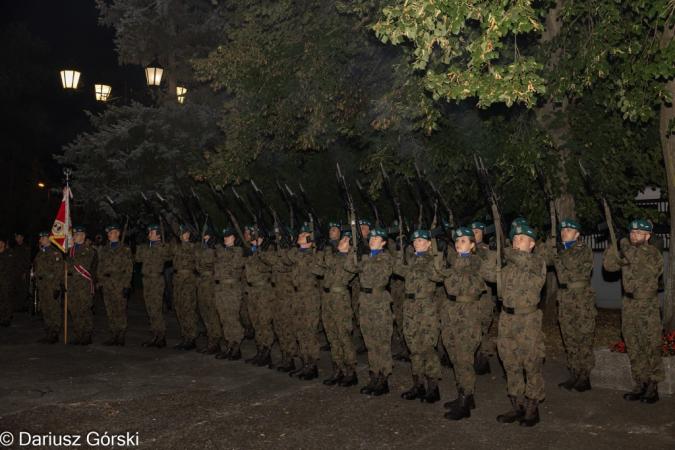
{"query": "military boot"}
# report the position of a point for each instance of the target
(367, 389)
(181, 345)
(76, 341)
(299, 370)
(257, 355)
(415, 392)
(44, 339)
(461, 408)
(637, 392)
(336, 377)
(433, 394)
(382, 385)
(161, 341)
(152, 342)
(265, 358)
(52, 338)
(569, 384)
(531, 416)
(516, 413)
(481, 364)
(651, 393)
(235, 352)
(404, 354)
(583, 384)
(454, 403)
(311, 370)
(212, 347)
(120, 339)
(224, 354)
(351, 379)
(289, 363)
(86, 339)
(112, 341)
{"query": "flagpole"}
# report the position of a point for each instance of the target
(66, 171)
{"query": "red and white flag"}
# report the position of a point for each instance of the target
(62, 230)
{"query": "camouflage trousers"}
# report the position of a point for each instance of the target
(397, 288)
(80, 303)
(336, 314)
(462, 323)
(487, 343)
(521, 347)
(306, 313)
(207, 307)
(377, 325)
(115, 304)
(243, 311)
(356, 293)
(421, 327)
(52, 308)
(227, 299)
(260, 303)
(185, 304)
(576, 314)
(641, 328)
(282, 318)
(153, 295)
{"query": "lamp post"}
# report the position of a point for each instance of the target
(181, 91)
(102, 92)
(70, 78)
(153, 75)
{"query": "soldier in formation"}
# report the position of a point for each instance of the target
(49, 270)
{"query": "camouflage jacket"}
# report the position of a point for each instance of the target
(417, 273)
(281, 272)
(523, 277)
(373, 272)
(115, 263)
(182, 254)
(84, 256)
(464, 276)
(330, 265)
(256, 269)
(205, 259)
(482, 250)
(22, 257)
(49, 264)
(303, 263)
(640, 269)
(152, 257)
(572, 264)
(229, 263)
(6, 266)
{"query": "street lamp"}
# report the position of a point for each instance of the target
(180, 91)
(102, 92)
(70, 78)
(41, 185)
(154, 75)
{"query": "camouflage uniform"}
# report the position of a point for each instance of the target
(521, 340)
(7, 305)
(21, 271)
(153, 256)
(463, 315)
(204, 262)
(115, 267)
(487, 344)
(49, 270)
(228, 271)
(260, 299)
(282, 305)
(184, 287)
(397, 289)
(576, 301)
(640, 317)
(79, 290)
(375, 308)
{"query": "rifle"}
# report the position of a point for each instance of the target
(352, 214)
(194, 232)
(422, 222)
(208, 223)
(500, 226)
(311, 214)
(167, 231)
(546, 188)
(614, 229)
(186, 203)
(135, 228)
(244, 207)
(224, 205)
(280, 230)
(397, 209)
(294, 220)
(379, 217)
(431, 191)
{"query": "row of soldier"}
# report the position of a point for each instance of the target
(14, 277)
(439, 298)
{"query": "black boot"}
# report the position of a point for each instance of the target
(53, 337)
(235, 352)
(415, 392)
(311, 371)
(257, 355)
(212, 347)
(637, 392)
(44, 339)
(651, 393)
(112, 341)
(367, 389)
(299, 370)
(225, 353)
(569, 384)
(161, 341)
(336, 377)
(462, 407)
(531, 417)
(289, 364)
(583, 384)
(181, 345)
(351, 379)
(481, 364)
(516, 413)
(76, 341)
(433, 395)
(382, 385)
(120, 338)
(86, 339)
(265, 358)
(152, 342)
(454, 403)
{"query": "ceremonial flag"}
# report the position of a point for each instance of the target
(62, 230)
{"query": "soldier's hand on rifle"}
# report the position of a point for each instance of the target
(493, 245)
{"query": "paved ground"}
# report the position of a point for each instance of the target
(184, 400)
